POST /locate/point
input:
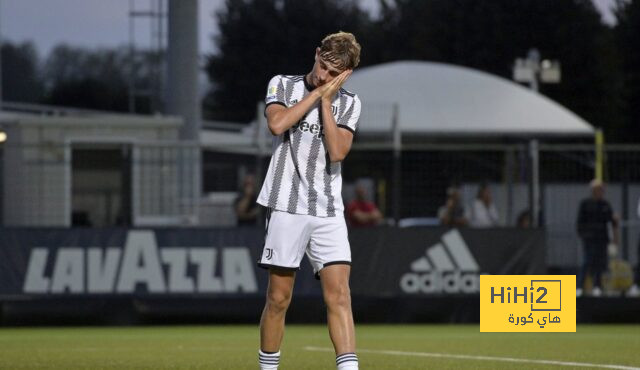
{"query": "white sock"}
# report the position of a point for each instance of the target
(268, 361)
(347, 361)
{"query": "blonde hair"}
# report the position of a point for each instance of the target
(340, 49)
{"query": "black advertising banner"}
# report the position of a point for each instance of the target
(182, 262)
(419, 261)
(193, 262)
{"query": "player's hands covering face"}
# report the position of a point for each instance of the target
(328, 90)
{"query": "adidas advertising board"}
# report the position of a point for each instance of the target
(424, 261)
(446, 267)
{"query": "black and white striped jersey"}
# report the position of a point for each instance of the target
(301, 179)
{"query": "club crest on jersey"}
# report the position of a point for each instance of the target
(334, 110)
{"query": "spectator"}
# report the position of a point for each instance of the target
(361, 212)
(452, 212)
(245, 204)
(524, 220)
(483, 212)
(594, 216)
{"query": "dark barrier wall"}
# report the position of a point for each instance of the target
(422, 261)
(219, 263)
(120, 276)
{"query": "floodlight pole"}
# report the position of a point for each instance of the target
(397, 164)
(533, 58)
(534, 183)
(529, 70)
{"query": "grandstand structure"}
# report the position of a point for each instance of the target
(65, 168)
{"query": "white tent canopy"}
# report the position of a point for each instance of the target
(437, 99)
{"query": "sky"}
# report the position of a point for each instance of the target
(105, 23)
(88, 23)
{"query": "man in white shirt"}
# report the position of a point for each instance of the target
(482, 212)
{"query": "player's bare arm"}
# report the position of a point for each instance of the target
(338, 141)
(280, 118)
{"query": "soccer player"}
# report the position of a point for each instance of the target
(313, 121)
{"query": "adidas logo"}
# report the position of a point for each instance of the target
(446, 267)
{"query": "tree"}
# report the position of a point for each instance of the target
(82, 78)
(21, 81)
(489, 35)
(98, 79)
(261, 38)
(627, 36)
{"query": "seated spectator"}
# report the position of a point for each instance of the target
(524, 220)
(245, 204)
(452, 212)
(483, 212)
(361, 212)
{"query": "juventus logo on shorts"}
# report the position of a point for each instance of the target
(269, 253)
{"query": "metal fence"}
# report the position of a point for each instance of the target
(100, 184)
(166, 184)
(185, 184)
(426, 170)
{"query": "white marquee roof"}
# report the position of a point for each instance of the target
(440, 99)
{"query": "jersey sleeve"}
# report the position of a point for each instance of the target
(349, 119)
(275, 92)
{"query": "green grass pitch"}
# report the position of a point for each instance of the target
(308, 347)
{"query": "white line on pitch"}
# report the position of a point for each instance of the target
(482, 358)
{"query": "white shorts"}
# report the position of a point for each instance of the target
(289, 236)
